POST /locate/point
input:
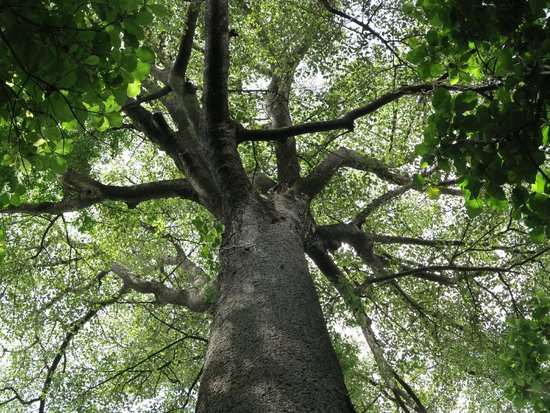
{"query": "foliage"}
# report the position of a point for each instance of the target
(90, 61)
(497, 142)
(526, 361)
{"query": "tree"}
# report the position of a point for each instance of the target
(262, 181)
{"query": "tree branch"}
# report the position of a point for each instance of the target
(194, 300)
(219, 129)
(404, 395)
(363, 244)
(395, 239)
(142, 361)
(364, 26)
(182, 146)
(73, 331)
(16, 396)
(425, 273)
(186, 44)
(312, 184)
(348, 121)
(278, 98)
(362, 216)
(196, 274)
(216, 62)
(148, 98)
(92, 192)
(353, 236)
(157, 132)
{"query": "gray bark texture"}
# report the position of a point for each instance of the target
(269, 348)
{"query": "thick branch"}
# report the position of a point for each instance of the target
(353, 236)
(92, 192)
(216, 62)
(319, 177)
(363, 244)
(278, 97)
(148, 98)
(154, 127)
(194, 300)
(218, 127)
(196, 274)
(186, 44)
(395, 239)
(348, 121)
(52, 208)
(343, 157)
(181, 146)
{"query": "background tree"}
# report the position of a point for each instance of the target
(197, 152)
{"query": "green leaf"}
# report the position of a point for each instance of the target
(68, 80)
(64, 146)
(4, 201)
(418, 179)
(496, 191)
(504, 62)
(469, 123)
(441, 100)
(145, 54)
(474, 207)
(465, 101)
(433, 193)
(423, 149)
(540, 184)
(134, 88)
(537, 235)
(115, 119)
(417, 55)
(134, 29)
(544, 131)
(58, 165)
(142, 70)
(15, 200)
(60, 107)
(158, 10)
(144, 18)
(91, 60)
(519, 196)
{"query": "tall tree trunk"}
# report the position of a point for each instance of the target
(269, 349)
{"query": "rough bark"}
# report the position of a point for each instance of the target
(269, 349)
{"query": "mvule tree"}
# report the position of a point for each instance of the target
(274, 175)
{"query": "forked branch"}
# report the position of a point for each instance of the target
(195, 300)
(343, 157)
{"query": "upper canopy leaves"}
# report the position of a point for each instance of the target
(497, 141)
(64, 65)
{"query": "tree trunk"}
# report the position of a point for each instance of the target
(269, 349)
